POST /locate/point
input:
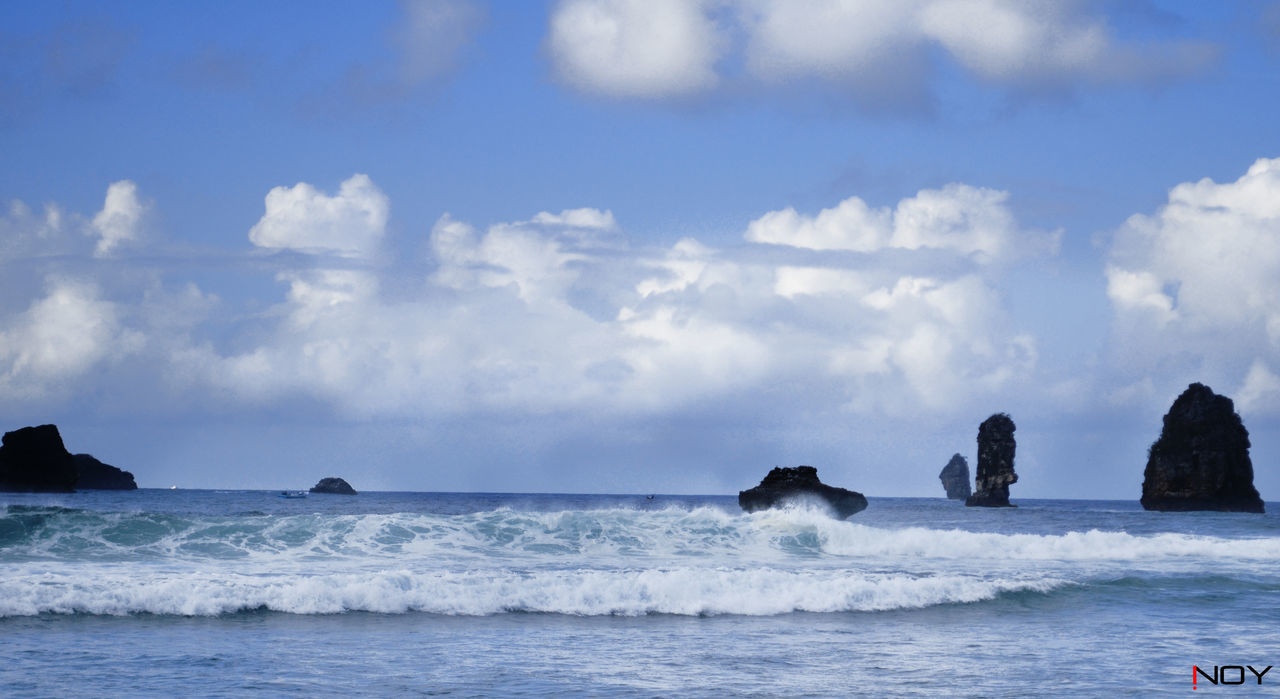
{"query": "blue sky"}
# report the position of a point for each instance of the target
(617, 246)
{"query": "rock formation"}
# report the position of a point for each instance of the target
(95, 475)
(1201, 460)
(996, 449)
(788, 484)
(333, 486)
(955, 478)
(33, 459)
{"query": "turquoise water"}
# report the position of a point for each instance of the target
(234, 592)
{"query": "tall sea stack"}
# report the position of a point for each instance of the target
(1201, 460)
(955, 478)
(996, 449)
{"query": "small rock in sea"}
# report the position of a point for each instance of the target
(333, 486)
(996, 448)
(785, 484)
(955, 478)
(1201, 460)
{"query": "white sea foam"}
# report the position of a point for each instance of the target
(681, 591)
(609, 535)
(843, 538)
(701, 560)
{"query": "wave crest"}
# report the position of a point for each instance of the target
(678, 591)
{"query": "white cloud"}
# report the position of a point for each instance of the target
(1011, 41)
(503, 325)
(349, 224)
(1200, 278)
(119, 220)
(58, 338)
(537, 266)
(968, 220)
(1260, 392)
(872, 46)
(879, 51)
(635, 48)
(433, 34)
(557, 314)
(790, 282)
(1140, 292)
(850, 225)
(578, 218)
(23, 233)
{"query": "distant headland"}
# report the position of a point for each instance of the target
(34, 459)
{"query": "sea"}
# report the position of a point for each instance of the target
(245, 593)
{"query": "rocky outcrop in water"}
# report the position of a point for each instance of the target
(333, 486)
(34, 460)
(783, 485)
(996, 448)
(955, 478)
(95, 475)
(1201, 460)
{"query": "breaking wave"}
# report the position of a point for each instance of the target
(59, 533)
(694, 561)
(679, 591)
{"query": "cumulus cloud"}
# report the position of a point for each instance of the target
(537, 267)
(880, 51)
(120, 218)
(562, 314)
(348, 224)
(635, 48)
(559, 312)
(1200, 277)
(971, 221)
(58, 338)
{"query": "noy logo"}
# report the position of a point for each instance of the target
(1226, 674)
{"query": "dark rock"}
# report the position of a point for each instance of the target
(33, 459)
(333, 486)
(787, 484)
(996, 449)
(1201, 460)
(955, 478)
(95, 475)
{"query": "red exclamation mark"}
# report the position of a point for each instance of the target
(1193, 678)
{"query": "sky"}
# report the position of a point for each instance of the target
(636, 246)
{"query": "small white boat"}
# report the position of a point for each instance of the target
(291, 494)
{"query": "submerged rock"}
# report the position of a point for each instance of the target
(1201, 460)
(333, 486)
(996, 448)
(786, 484)
(33, 459)
(95, 475)
(955, 478)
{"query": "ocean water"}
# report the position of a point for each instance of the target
(229, 593)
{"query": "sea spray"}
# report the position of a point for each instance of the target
(680, 560)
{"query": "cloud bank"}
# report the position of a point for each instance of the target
(562, 313)
(853, 317)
